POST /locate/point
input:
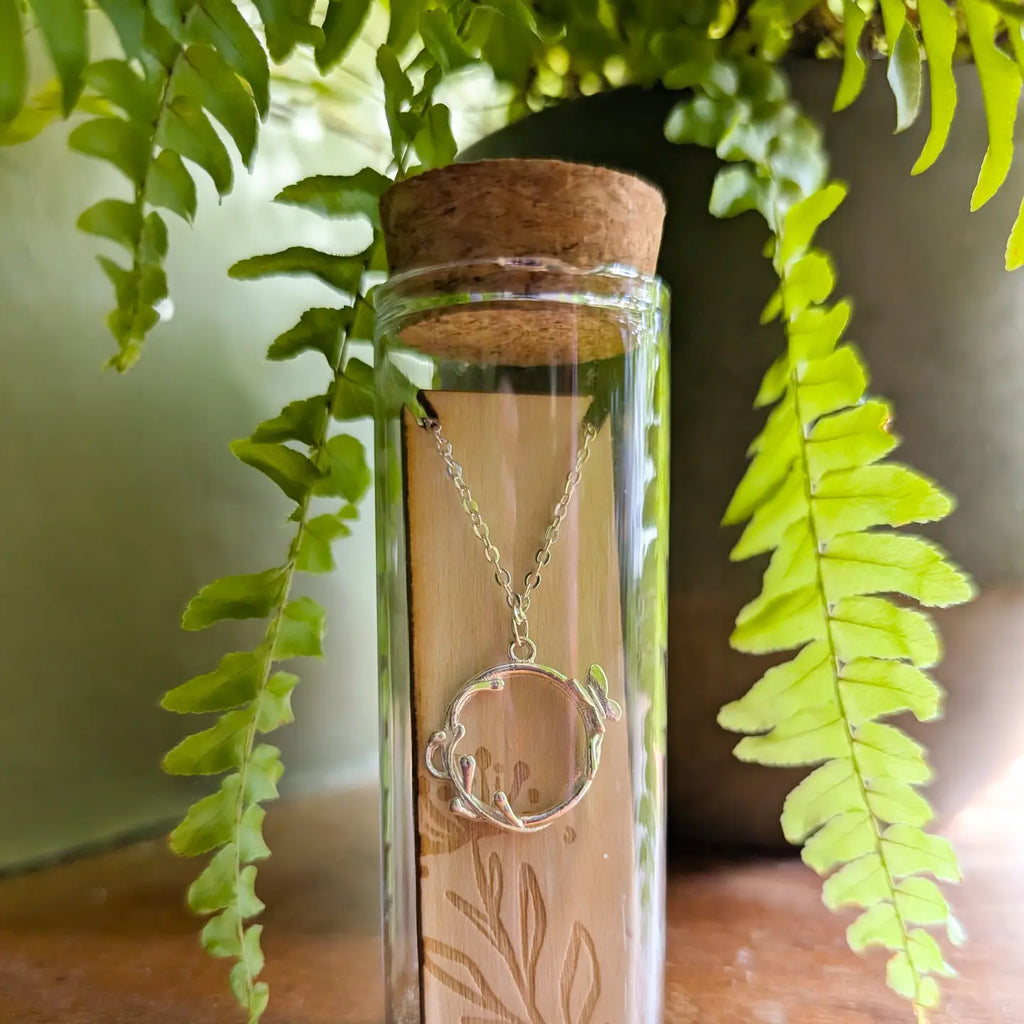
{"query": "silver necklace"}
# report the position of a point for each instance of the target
(590, 698)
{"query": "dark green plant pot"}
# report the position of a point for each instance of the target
(940, 323)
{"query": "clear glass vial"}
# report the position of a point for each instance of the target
(521, 461)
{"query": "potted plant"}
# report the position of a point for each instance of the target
(820, 494)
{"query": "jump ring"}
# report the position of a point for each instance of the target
(517, 648)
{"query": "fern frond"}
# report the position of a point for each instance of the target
(825, 499)
(194, 61)
(821, 495)
(298, 452)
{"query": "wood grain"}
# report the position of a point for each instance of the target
(529, 929)
(107, 939)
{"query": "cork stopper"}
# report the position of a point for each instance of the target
(559, 220)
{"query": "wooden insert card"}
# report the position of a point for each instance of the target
(519, 928)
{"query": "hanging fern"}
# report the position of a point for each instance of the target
(820, 496)
(299, 453)
(816, 493)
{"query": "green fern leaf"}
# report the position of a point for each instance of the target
(342, 24)
(348, 475)
(806, 681)
(877, 926)
(809, 282)
(871, 627)
(235, 597)
(354, 392)
(860, 883)
(128, 18)
(170, 185)
(520, 13)
(118, 82)
(204, 76)
(222, 935)
(883, 494)
(221, 24)
(852, 437)
(820, 495)
(251, 845)
(314, 554)
(187, 130)
(301, 421)
(292, 471)
(434, 142)
(939, 35)
(287, 26)
(301, 630)
(829, 790)
(214, 750)
(275, 708)
(209, 822)
(318, 330)
(62, 23)
(872, 688)
(262, 774)
(897, 803)
(1014, 256)
(855, 68)
(736, 190)
(234, 682)
(13, 66)
(1001, 88)
(121, 143)
(855, 564)
(846, 837)
(339, 195)
(910, 851)
(217, 888)
(340, 272)
(904, 75)
(437, 30)
(115, 220)
(883, 751)
(810, 736)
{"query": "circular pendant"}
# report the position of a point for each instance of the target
(594, 707)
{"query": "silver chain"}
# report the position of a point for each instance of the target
(522, 649)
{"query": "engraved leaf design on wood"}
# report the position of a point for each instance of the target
(580, 959)
(533, 926)
(472, 913)
(440, 832)
(441, 960)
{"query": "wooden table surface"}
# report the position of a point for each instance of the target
(106, 940)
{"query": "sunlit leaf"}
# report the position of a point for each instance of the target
(939, 33)
(1001, 87)
(855, 67)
